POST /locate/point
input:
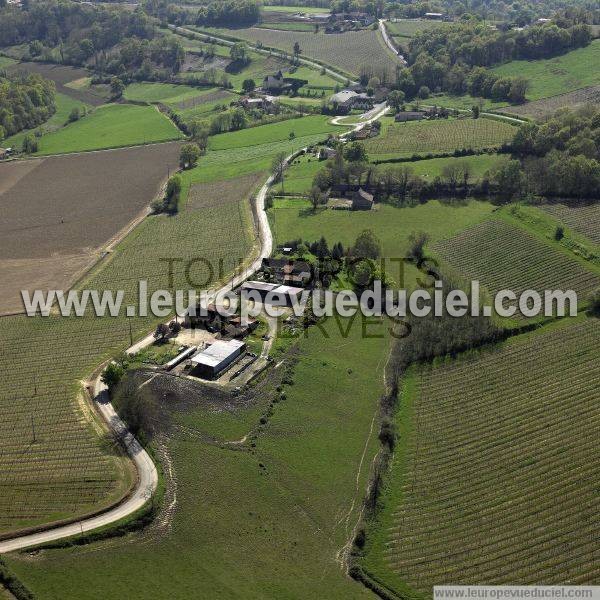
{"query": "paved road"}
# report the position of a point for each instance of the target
(389, 43)
(147, 474)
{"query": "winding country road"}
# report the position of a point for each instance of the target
(147, 480)
(389, 43)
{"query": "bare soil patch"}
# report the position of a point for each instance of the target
(219, 193)
(56, 217)
(61, 75)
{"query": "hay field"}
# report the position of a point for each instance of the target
(111, 126)
(56, 212)
(552, 76)
(495, 479)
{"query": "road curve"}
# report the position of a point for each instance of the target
(147, 473)
(145, 487)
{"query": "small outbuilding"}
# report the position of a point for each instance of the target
(409, 115)
(362, 200)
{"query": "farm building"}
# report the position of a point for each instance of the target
(434, 15)
(262, 103)
(279, 295)
(207, 317)
(238, 326)
(347, 100)
(409, 115)
(297, 272)
(362, 200)
(217, 357)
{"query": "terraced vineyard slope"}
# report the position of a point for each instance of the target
(496, 480)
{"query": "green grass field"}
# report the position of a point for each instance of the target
(6, 61)
(64, 106)
(441, 135)
(292, 498)
(557, 75)
(407, 28)
(274, 132)
(294, 9)
(494, 472)
(300, 175)
(168, 93)
(111, 126)
(392, 225)
(463, 102)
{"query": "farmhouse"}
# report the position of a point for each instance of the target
(297, 272)
(280, 295)
(217, 357)
(265, 104)
(347, 100)
(274, 83)
(362, 200)
(409, 115)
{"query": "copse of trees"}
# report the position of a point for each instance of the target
(26, 101)
(452, 57)
(560, 157)
(108, 39)
(229, 12)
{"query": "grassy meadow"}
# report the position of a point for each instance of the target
(64, 106)
(553, 76)
(167, 93)
(392, 226)
(111, 126)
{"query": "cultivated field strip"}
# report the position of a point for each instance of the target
(538, 109)
(582, 218)
(440, 136)
(502, 256)
(347, 51)
(499, 477)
